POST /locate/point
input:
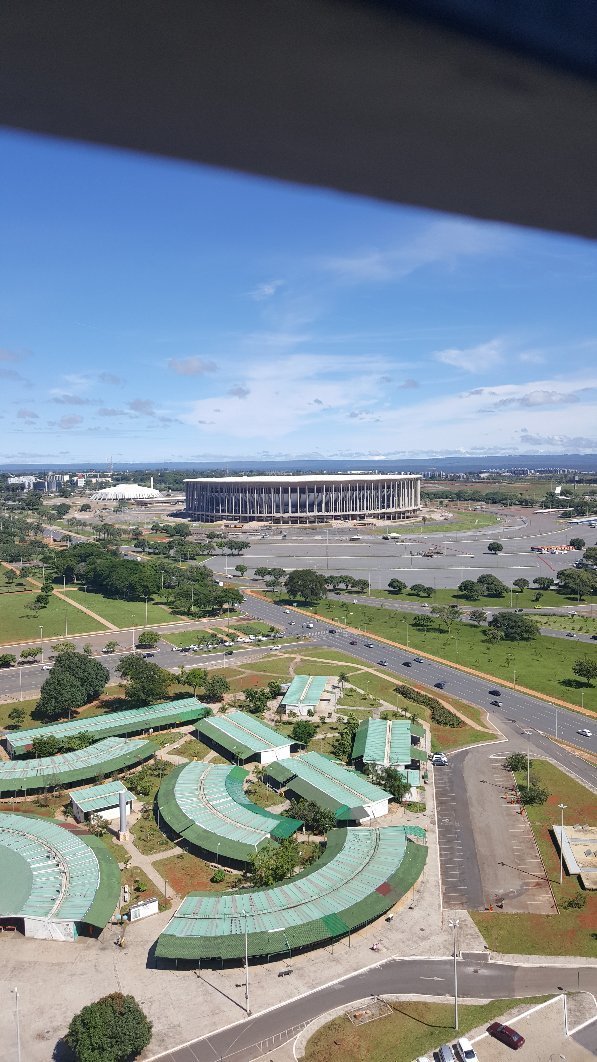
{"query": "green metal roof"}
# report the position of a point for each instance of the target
(386, 742)
(105, 757)
(330, 784)
(99, 797)
(205, 803)
(361, 875)
(131, 721)
(305, 691)
(241, 734)
(48, 872)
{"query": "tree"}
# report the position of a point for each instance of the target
(316, 819)
(420, 590)
(275, 577)
(514, 627)
(393, 781)
(343, 742)
(110, 647)
(478, 616)
(74, 680)
(586, 669)
(517, 761)
(114, 1029)
(86, 508)
(16, 716)
(214, 688)
(422, 623)
(575, 583)
(521, 584)
(31, 653)
(533, 794)
(446, 614)
(590, 555)
(343, 678)
(396, 586)
(577, 543)
(303, 731)
(241, 569)
(470, 590)
(64, 647)
(7, 659)
(147, 639)
(494, 547)
(147, 682)
(491, 586)
(256, 700)
(543, 582)
(274, 689)
(261, 572)
(195, 678)
(306, 583)
(46, 745)
(274, 862)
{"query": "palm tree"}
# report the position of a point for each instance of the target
(342, 678)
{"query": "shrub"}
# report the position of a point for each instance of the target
(114, 1029)
(533, 794)
(218, 876)
(516, 762)
(439, 714)
(574, 903)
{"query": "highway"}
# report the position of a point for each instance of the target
(527, 711)
(477, 979)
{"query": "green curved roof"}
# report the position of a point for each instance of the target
(361, 875)
(129, 721)
(205, 803)
(50, 873)
(105, 757)
(242, 735)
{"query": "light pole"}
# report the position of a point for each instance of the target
(16, 992)
(562, 808)
(247, 1003)
(20, 684)
(145, 611)
(41, 638)
(65, 623)
(454, 923)
(134, 632)
(556, 711)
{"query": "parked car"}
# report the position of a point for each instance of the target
(147, 656)
(585, 733)
(439, 759)
(440, 685)
(464, 1050)
(46, 667)
(446, 1054)
(505, 1035)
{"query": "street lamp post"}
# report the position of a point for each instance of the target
(454, 923)
(562, 808)
(556, 711)
(41, 638)
(247, 1003)
(146, 611)
(16, 992)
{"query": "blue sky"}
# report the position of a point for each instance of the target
(156, 310)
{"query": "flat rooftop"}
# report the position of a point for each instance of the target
(329, 782)
(306, 690)
(242, 734)
(98, 797)
(382, 741)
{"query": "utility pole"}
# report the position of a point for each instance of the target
(247, 1004)
(41, 638)
(16, 992)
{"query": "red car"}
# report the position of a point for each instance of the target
(505, 1035)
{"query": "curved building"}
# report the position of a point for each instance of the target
(303, 499)
(127, 492)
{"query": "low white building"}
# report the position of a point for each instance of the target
(101, 800)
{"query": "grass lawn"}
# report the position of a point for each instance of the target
(461, 521)
(20, 625)
(569, 932)
(120, 854)
(578, 624)
(148, 838)
(255, 627)
(193, 749)
(544, 664)
(187, 873)
(141, 888)
(412, 1029)
(261, 794)
(46, 806)
(27, 706)
(121, 613)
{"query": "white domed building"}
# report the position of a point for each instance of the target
(127, 492)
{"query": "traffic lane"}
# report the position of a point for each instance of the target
(531, 711)
(245, 1040)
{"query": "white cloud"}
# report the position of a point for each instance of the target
(472, 359)
(265, 290)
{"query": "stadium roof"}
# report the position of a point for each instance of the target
(330, 784)
(282, 480)
(305, 690)
(241, 734)
(98, 797)
(126, 492)
(386, 742)
(205, 803)
(105, 757)
(50, 873)
(362, 873)
(131, 721)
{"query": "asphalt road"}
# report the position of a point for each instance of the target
(530, 712)
(264, 1032)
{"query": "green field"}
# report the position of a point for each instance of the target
(544, 664)
(122, 613)
(570, 932)
(578, 624)
(19, 625)
(462, 521)
(411, 1030)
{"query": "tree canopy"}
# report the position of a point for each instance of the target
(75, 680)
(514, 627)
(307, 584)
(146, 682)
(114, 1029)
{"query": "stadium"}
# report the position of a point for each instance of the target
(303, 499)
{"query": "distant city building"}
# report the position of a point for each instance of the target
(303, 499)
(127, 492)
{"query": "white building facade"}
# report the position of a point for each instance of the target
(303, 499)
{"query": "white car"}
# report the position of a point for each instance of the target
(48, 667)
(585, 733)
(464, 1050)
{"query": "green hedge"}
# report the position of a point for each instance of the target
(439, 714)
